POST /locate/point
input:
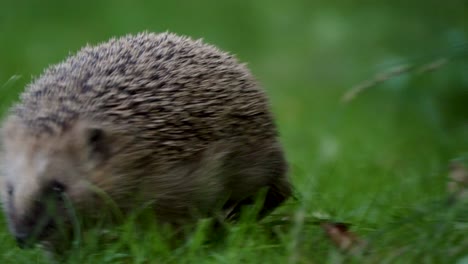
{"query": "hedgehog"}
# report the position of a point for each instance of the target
(152, 119)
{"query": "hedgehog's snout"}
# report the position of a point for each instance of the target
(33, 226)
(42, 219)
(23, 240)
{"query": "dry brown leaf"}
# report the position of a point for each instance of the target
(458, 181)
(344, 239)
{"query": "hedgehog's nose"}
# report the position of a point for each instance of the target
(22, 240)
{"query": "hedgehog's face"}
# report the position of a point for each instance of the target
(47, 180)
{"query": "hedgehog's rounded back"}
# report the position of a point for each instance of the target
(176, 119)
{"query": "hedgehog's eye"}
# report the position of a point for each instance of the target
(57, 187)
(95, 136)
(10, 190)
(97, 143)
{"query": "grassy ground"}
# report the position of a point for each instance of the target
(379, 162)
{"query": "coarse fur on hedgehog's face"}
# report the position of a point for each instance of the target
(47, 179)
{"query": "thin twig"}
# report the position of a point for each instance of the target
(382, 77)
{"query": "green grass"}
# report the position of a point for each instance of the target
(379, 163)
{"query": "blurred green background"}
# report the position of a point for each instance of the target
(317, 49)
(347, 159)
(307, 54)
